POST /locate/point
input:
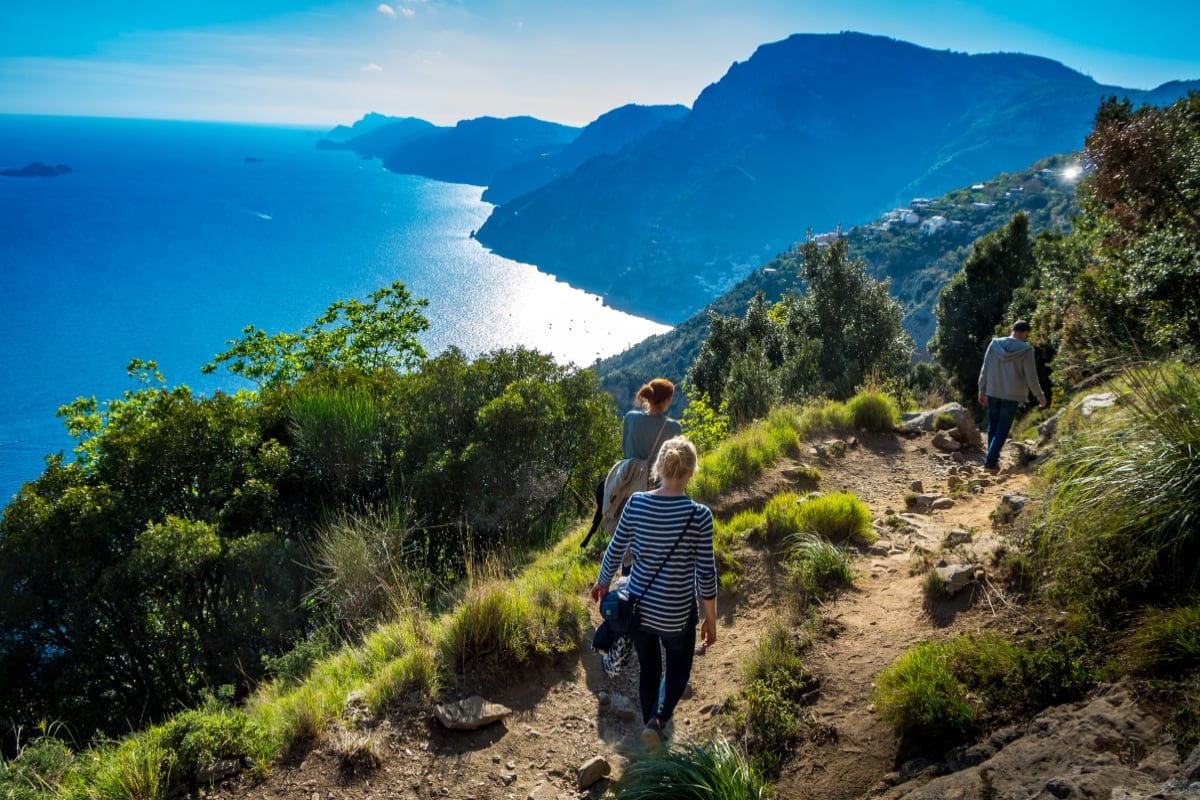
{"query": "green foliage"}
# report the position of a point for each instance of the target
(37, 771)
(837, 516)
(873, 411)
(777, 691)
(380, 333)
(149, 548)
(705, 426)
(710, 771)
(741, 458)
(1120, 525)
(972, 306)
(508, 446)
(942, 691)
(370, 565)
(920, 696)
(1167, 641)
(199, 737)
(827, 341)
(1122, 283)
(337, 432)
(817, 567)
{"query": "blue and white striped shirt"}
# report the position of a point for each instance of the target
(651, 524)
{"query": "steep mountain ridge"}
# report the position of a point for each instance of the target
(809, 132)
(608, 133)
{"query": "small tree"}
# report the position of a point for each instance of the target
(844, 329)
(364, 336)
(974, 303)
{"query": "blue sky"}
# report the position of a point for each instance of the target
(322, 63)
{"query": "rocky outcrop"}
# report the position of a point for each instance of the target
(1107, 746)
(965, 432)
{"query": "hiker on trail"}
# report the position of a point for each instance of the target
(647, 426)
(1008, 376)
(672, 539)
(643, 431)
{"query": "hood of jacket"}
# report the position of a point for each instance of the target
(1010, 347)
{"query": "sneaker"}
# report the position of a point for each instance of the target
(652, 735)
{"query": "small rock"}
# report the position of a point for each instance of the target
(218, 771)
(956, 537)
(956, 577)
(622, 707)
(917, 486)
(941, 504)
(507, 778)
(593, 770)
(533, 793)
(470, 714)
(944, 442)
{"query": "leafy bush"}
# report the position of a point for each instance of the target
(941, 691)
(874, 411)
(199, 737)
(710, 771)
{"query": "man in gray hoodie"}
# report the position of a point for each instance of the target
(1008, 376)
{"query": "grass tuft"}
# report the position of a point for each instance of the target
(711, 771)
(874, 411)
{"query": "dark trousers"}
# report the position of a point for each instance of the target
(1001, 414)
(680, 648)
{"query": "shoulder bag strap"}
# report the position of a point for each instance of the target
(671, 552)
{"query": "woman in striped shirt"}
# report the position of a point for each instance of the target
(671, 537)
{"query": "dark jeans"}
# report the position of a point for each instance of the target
(680, 648)
(1001, 414)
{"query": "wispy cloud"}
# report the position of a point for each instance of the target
(386, 10)
(371, 68)
(406, 11)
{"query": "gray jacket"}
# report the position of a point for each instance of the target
(1009, 371)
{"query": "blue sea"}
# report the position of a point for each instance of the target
(167, 238)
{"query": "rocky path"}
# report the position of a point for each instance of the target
(561, 721)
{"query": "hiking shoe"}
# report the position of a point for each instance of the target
(652, 735)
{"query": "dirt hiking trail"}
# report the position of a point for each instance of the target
(560, 718)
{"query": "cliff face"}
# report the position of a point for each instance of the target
(810, 132)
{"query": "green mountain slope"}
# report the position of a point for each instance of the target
(918, 247)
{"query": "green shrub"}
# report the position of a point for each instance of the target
(709, 771)
(874, 411)
(778, 686)
(1120, 524)
(1167, 641)
(371, 565)
(199, 737)
(138, 768)
(37, 771)
(944, 422)
(919, 695)
(942, 691)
